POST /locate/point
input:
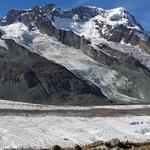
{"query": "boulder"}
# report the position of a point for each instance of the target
(77, 147)
(114, 142)
(56, 147)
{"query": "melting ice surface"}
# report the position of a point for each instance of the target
(46, 131)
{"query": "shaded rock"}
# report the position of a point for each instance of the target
(126, 145)
(56, 147)
(77, 147)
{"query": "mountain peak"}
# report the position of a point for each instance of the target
(93, 23)
(114, 16)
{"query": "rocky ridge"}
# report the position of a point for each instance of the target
(116, 25)
(114, 144)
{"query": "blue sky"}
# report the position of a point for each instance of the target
(139, 8)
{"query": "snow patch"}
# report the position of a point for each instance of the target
(14, 30)
(3, 44)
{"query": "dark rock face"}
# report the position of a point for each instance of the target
(0, 34)
(30, 78)
(56, 147)
(129, 36)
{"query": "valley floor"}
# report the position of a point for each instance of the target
(26, 125)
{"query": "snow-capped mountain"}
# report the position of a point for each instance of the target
(108, 50)
(116, 25)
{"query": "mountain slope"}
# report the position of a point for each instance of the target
(28, 77)
(71, 39)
